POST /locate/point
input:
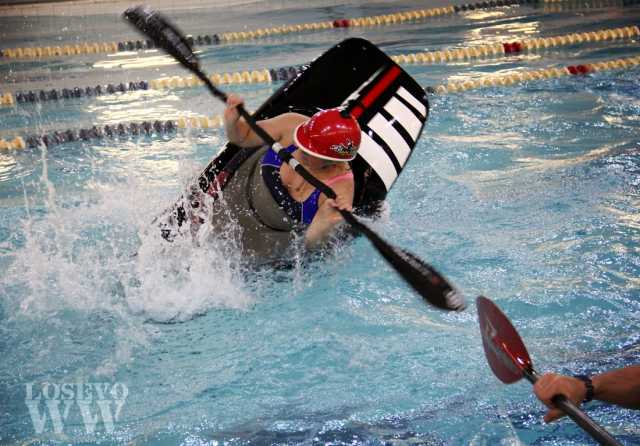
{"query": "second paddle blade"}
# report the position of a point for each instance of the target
(505, 351)
(428, 282)
(163, 33)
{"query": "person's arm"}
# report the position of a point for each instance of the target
(328, 215)
(621, 387)
(239, 132)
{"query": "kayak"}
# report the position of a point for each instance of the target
(391, 109)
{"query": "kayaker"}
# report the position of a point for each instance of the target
(270, 202)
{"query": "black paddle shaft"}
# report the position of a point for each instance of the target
(423, 278)
(582, 419)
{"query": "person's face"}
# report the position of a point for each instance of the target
(314, 163)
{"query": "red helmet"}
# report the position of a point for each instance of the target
(329, 135)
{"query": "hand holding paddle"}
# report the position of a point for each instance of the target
(510, 362)
(425, 280)
(551, 384)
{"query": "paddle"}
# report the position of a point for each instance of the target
(427, 282)
(510, 362)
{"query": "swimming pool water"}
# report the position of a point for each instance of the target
(527, 194)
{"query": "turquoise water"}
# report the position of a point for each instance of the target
(528, 194)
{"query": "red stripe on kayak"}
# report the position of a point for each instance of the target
(376, 91)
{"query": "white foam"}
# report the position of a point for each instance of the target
(81, 256)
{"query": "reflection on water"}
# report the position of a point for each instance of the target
(132, 60)
(7, 167)
(498, 27)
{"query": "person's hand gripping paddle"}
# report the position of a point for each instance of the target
(427, 282)
(510, 362)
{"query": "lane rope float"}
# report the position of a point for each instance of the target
(518, 77)
(239, 36)
(578, 5)
(160, 128)
(287, 73)
(239, 77)
(113, 131)
(516, 47)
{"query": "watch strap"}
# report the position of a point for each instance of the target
(588, 384)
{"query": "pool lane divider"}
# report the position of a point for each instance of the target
(239, 77)
(519, 77)
(113, 131)
(287, 73)
(580, 5)
(54, 95)
(517, 47)
(162, 128)
(214, 39)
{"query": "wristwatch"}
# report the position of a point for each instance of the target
(588, 384)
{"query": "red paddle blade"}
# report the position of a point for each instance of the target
(505, 351)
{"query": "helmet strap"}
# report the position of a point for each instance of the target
(346, 110)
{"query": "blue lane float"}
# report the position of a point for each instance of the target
(25, 97)
(121, 130)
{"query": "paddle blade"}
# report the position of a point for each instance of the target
(505, 351)
(163, 33)
(428, 282)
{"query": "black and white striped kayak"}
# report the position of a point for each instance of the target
(389, 105)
